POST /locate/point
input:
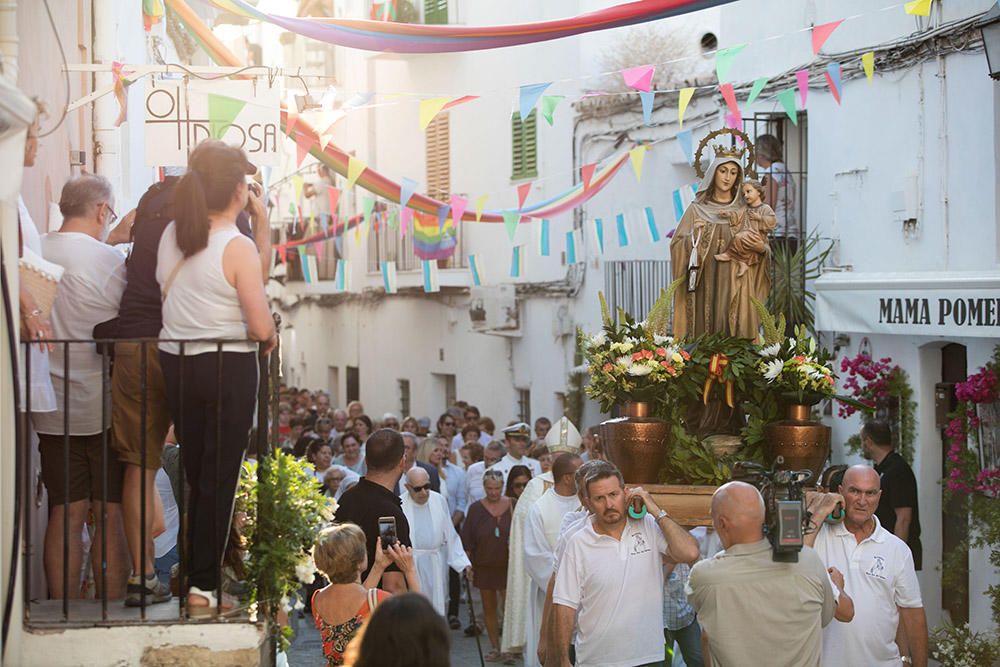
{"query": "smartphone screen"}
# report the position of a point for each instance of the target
(387, 530)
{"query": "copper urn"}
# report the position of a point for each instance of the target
(636, 443)
(801, 442)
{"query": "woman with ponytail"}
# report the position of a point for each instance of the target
(210, 281)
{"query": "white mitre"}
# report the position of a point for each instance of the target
(563, 437)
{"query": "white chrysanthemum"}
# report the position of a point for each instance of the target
(305, 572)
(639, 370)
(661, 340)
(770, 350)
(600, 338)
(624, 361)
(773, 369)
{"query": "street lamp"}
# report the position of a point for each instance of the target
(990, 27)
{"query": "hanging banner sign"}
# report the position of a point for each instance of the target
(916, 304)
(179, 116)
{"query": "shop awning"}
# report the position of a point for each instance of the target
(954, 304)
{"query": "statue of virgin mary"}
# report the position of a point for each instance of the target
(714, 298)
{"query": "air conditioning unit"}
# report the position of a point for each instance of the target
(494, 310)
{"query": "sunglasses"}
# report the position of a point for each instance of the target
(520, 485)
(449, 423)
(418, 489)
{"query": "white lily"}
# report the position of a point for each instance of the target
(624, 361)
(661, 340)
(599, 339)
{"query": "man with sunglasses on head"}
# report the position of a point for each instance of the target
(878, 574)
(436, 545)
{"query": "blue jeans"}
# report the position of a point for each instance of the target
(164, 563)
(689, 641)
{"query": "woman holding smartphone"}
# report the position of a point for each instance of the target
(211, 285)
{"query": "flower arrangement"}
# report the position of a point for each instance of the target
(285, 509)
(798, 368)
(973, 478)
(879, 384)
(629, 362)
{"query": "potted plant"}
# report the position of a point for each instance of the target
(885, 388)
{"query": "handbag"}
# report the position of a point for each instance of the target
(41, 279)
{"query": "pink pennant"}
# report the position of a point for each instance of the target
(458, 206)
(821, 33)
(522, 194)
(303, 142)
(729, 95)
(735, 121)
(802, 76)
(282, 253)
(405, 216)
(587, 173)
(334, 195)
(639, 78)
(318, 248)
(459, 100)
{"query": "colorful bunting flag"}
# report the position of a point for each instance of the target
(637, 156)
(430, 271)
(431, 241)
(571, 247)
(647, 97)
(430, 108)
(586, 174)
(639, 78)
(724, 60)
(654, 233)
(222, 111)
(477, 276)
(918, 7)
(517, 262)
(334, 196)
(298, 183)
(622, 230)
(529, 98)
(367, 205)
(291, 113)
(549, 104)
(787, 99)
(407, 186)
(389, 282)
(405, 218)
(868, 61)
(599, 234)
(834, 81)
(757, 87)
(355, 168)
(543, 238)
(458, 206)
(342, 276)
(683, 99)
(510, 221)
(443, 215)
(686, 141)
(821, 33)
(736, 122)
(802, 78)
(729, 95)
(480, 205)
(522, 194)
(304, 264)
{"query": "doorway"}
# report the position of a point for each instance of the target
(954, 518)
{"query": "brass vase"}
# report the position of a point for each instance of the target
(801, 442)
(636, 443)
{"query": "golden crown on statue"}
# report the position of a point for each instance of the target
(742, 146)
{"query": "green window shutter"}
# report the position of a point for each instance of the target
(436, 12)
(524, 146)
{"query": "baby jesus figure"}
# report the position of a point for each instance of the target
(750, 229)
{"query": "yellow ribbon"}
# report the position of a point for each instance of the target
(715, 372)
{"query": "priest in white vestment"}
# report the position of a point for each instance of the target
(541, 534)
(562, 437)
(436, 545)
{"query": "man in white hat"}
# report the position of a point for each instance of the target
(563, 437)
(540, 536)
(517, 437)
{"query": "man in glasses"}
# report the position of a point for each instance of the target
(878, 573)
(435, 542)
(410, 462)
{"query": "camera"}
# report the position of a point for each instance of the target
(785, 517)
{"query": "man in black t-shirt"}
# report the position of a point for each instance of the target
(375, 496)
(897, 507)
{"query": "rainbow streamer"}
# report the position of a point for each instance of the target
(431, 241)
(395, 37)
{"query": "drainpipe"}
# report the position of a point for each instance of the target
(107, 139)
(9, 43)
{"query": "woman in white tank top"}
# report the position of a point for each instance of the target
(210, 281)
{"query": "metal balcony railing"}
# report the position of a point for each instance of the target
(42, 612)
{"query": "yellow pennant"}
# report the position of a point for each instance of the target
(355, 168)
(297, 183)
(868, 60)
(918, 7)
(682, 104)
(637, 156)
(480, 205)
(429, 109)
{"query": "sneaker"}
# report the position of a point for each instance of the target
(454, 623)
(155, 591)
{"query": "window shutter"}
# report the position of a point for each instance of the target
(439, 157)
(524, 146)
(436, 12)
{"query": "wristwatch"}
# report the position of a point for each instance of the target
(906, 660)
(661, 514)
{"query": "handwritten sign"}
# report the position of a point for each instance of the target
(178, 116)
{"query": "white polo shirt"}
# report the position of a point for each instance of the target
(879, 576)
(616, 586)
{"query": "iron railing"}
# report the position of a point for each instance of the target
(40, 612)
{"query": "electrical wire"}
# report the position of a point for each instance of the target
(62, 54)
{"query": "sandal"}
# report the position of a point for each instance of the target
(509, 659)
(211, 610)
(493, 656)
